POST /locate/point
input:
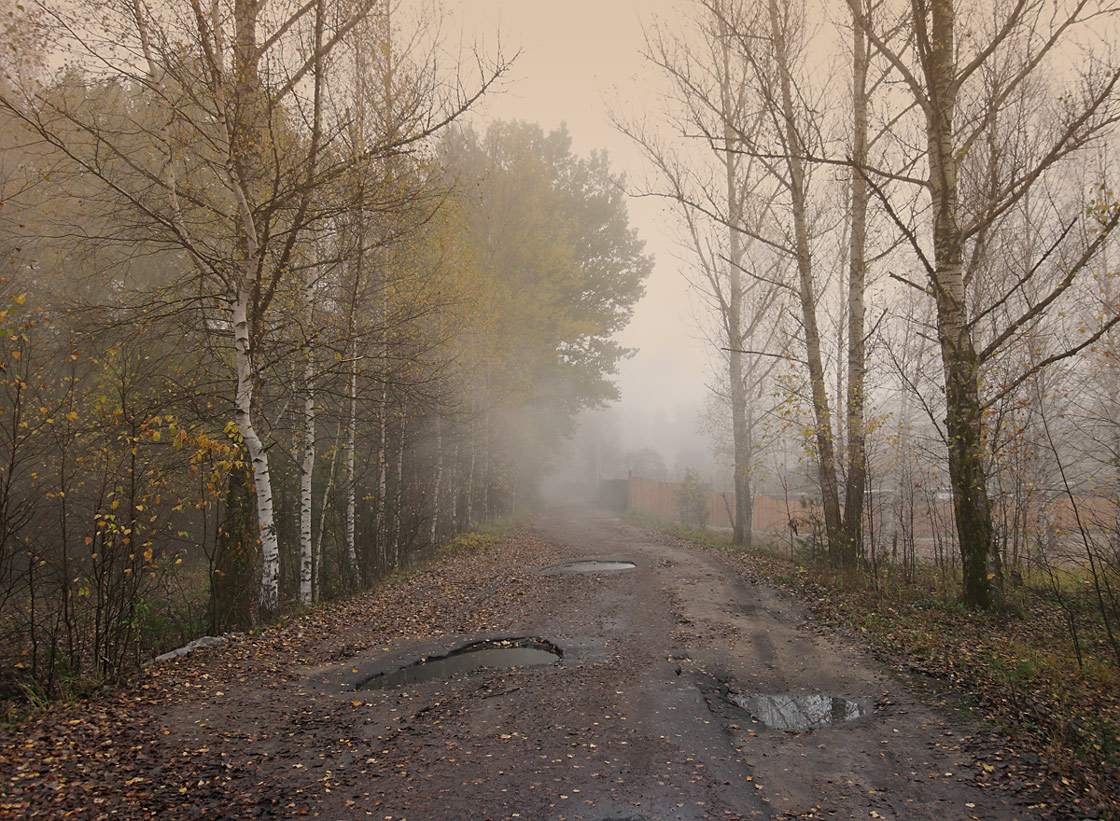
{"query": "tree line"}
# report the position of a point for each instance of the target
(276, 320)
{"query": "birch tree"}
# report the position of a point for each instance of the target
(229, 175)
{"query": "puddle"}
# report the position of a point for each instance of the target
(588, 566)
(789, 711)
(501, 653)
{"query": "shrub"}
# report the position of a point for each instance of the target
(691, 497)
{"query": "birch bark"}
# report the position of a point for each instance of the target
(438, 481)
(244, 149)
(351, 478)
(307, 464)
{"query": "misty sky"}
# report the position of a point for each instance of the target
(578, 57)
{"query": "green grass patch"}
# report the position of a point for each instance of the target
(484, 536)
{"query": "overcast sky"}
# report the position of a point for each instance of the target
(578, 57)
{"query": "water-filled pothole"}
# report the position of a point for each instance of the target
(796, 711)
(588, 566)
(467, 659)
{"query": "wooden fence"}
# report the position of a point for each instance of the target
(658, 499)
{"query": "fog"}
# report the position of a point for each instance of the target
(312, 302)
(577, 66)
(349, 307)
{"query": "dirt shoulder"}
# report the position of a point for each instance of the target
(635, 722)
(1046, 727)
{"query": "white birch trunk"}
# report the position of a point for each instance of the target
(351, 484)
(318, 551)
(470, 484)
(382, 471)
(454, 486)
(439, 479)
(399, 500)
(306, 470)
(262, 480)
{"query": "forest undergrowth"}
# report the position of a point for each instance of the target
(22, 704)
(1053, 708)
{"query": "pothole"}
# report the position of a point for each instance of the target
(797, 711)
(496, 653)
(588, 566)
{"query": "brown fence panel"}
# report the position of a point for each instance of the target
(652, 497)
(718, 506)
(658, 499)
(774, 514)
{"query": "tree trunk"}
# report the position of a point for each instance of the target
(398, 502)
(487, 468)
(745, 514)
(248, 120)
(733, 310)
(317, 572)
(269, 598)
(351, 479)
(972, 508)
(822, 414)
(307, 467)
(453, 485)
(857, 275)
(383, 472)
(438, 481)
(963, 420)
(469, 500)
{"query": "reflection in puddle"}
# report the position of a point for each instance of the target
(588, 566)
(490, 654)
(789, 711)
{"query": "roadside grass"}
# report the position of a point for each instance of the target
(1041, 670)
(697, 535)
(485, 535)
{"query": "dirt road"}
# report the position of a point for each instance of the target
(636, 720)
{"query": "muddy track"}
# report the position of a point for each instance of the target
(637, 719)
